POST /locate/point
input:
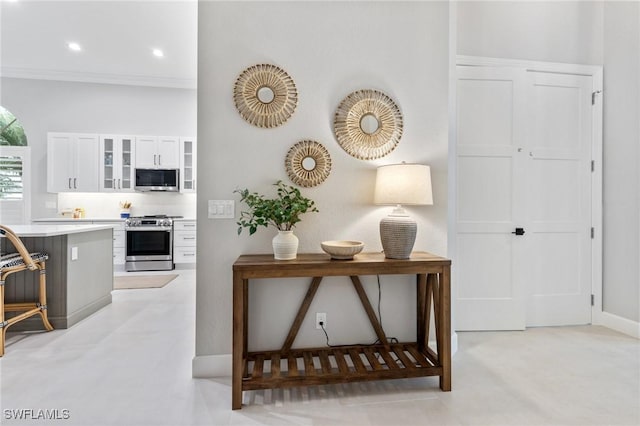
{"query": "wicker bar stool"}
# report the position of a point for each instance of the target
(17, 262)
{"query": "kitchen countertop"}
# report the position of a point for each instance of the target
(54, 230)
(80, 220)
(93, 219)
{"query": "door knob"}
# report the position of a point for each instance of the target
(518, 231)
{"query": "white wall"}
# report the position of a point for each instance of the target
(622, 159)
(330, 49)
(53, 106)
(593, 33)
(556, 31)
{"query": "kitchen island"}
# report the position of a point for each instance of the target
(79, 271)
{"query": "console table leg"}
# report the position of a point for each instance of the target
(239, 340)
(422, 326)
(444, 351)
(433, 298)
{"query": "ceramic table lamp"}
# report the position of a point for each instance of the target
(401, 184)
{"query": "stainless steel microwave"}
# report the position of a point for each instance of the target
(157, 180)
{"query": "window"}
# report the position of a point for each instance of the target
(15, 201)
(11, 181)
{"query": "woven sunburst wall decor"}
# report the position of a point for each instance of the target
(265, 95)
(368, 124)
(308, 163)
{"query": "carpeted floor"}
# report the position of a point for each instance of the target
(123, 282)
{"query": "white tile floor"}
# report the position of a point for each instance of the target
(130, 364)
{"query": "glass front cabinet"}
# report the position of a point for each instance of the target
(117, 161)
(187, 164)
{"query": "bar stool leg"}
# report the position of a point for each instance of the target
(43, 296)
(3, 329)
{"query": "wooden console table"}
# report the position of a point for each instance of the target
(342, 364)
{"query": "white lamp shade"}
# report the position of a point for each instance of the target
(408, 184)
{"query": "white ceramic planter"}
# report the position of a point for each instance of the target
(285, 245)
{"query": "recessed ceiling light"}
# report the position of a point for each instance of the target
(158, 53)
(74, 46)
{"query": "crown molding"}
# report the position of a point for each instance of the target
(102, 78)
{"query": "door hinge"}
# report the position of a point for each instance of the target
(593, 96)
(593, 300)
(593, 233)
(593, 165)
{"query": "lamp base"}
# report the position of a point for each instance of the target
(398, 234)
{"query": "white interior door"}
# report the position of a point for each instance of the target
(523, 161)
(490, 260)
(559, 201)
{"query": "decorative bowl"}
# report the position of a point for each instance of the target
(342, 249)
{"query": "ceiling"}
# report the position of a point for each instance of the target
(117, 39)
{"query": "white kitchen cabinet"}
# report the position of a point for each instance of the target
(72, 162)
(117, 156)
(157, 152)
(119, 243)
(188, 149)
(184, 241)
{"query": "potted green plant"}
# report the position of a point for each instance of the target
(282, 212)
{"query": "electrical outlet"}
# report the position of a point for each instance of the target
(321, 317)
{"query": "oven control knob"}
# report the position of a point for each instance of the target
(127, 222)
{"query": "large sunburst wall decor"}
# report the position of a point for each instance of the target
(265, 95)
(368, 124)
(308, 163)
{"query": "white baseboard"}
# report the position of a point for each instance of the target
(454, 343)
(206, 366)
(211, 366)
(623, 325)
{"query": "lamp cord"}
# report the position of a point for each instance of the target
(391, 339)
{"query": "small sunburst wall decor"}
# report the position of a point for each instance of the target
(308, 163)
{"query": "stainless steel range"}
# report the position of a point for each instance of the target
(149, 243)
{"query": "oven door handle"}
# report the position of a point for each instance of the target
(146, 229)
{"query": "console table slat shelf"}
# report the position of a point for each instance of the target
(345, 364)
(288, 367)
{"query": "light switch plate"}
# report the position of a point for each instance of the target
(74, 253)
(221, 209)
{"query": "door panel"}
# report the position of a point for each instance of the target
(60, 162)
(87, 157)
(481, 175)
(559, 140)
(489, 172)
